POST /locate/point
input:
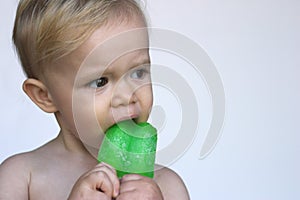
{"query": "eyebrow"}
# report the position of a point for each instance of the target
(144, 60)
(96, 70)
(135, 62)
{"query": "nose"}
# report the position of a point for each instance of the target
(123, 94)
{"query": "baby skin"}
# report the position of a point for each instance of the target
(95, 96)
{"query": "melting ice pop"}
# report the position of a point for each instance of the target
(130, 148)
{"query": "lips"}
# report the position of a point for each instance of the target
(123, 118)
(130, 113)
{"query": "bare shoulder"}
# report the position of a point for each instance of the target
(171, 184)
(16, 174)
(15, 177)
(14, 164)
(23, 162)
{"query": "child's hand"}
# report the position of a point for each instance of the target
(99, 183)
(136, 187)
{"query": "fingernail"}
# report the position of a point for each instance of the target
(116, 193)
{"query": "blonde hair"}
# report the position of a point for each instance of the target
(46, 30)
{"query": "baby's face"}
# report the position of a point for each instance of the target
(105, 81)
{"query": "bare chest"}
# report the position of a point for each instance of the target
(49, 184)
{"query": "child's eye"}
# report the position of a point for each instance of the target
(100, 82)
(138, 74)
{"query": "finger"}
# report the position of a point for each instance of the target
(107, 165)
(113, 177)
(125, 196)
(99, 180)
(98, 195)
(132, 177)
(130, 183)
(112, 174)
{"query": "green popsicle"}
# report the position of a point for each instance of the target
(130, 148)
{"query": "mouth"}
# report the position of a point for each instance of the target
(121, 119)
(133, 118)
(130, 113)
(126, 118)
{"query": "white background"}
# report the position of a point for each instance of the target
(255, 46)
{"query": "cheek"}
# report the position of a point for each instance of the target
(102, 112)
(85, 119)
(146, 98)
(63, 102)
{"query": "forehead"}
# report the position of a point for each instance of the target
(111, 41)
(107, 44)
(125, 44)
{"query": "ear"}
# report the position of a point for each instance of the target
(39, 94)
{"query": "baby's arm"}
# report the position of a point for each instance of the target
(171, 185)
(14, 179)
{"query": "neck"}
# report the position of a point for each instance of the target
(72, 143)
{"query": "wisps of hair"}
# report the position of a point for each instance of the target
(47, 30)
